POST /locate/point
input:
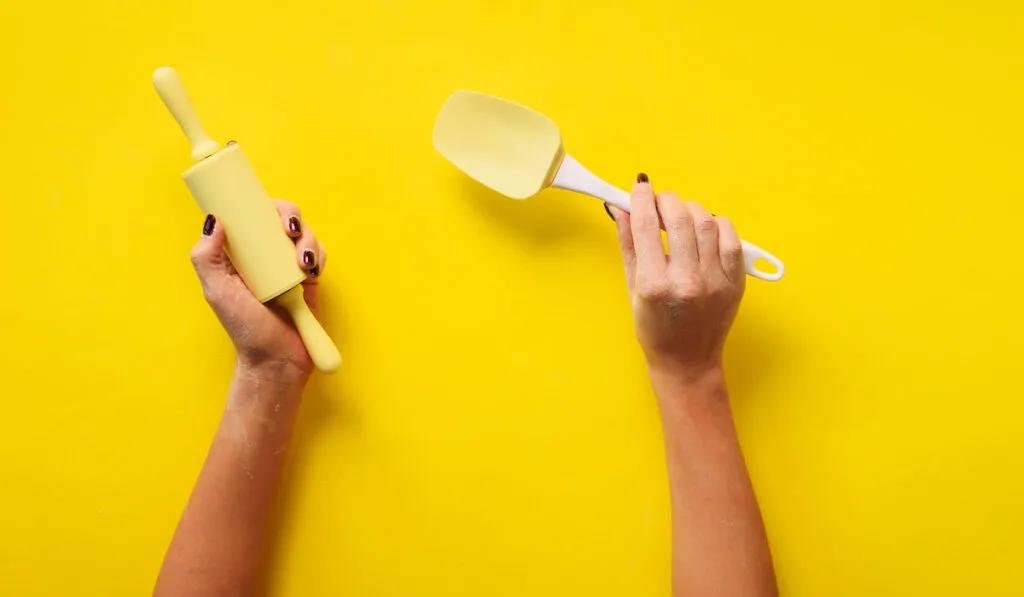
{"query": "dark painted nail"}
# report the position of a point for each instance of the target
(315, 271)
(294, 226)
(209, 224)
(308, 257)
(609, 211)
(642, 178)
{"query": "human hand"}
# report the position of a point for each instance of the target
(685, 301)
(265, 340)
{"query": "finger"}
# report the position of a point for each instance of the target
(730, 251)
(625, 233)
(706, 229)
(291, 216)
(644, 223)
(321, 262)
(321, 256)
(682, 243)
(311, 291)
(209, 259)
(308, 250)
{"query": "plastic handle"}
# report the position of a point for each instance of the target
(572, 176)
(172, 91)
(751, 253)
(318, 344)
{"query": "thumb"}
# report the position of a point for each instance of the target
(209, 259)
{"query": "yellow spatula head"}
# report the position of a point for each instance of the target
(507, 147)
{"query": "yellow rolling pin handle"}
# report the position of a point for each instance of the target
(172, 91)
(318, 344)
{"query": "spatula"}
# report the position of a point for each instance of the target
(518, 152)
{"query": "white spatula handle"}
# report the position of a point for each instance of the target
(572, 176)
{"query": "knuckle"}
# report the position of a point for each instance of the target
(682, 217)
(707, 224)
(688, 286)
(731, 250)
(690, 289)
(646, 221)
(196, 255)
(726, 227)
(212, 297)
(679, 221)
(651, 290)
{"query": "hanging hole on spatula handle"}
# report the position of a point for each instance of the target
(754, 256)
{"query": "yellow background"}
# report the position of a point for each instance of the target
(492, 431)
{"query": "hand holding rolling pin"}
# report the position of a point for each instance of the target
(263, 335)
(245, 232)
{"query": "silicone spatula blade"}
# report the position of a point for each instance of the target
(518, 152)
(503, 145)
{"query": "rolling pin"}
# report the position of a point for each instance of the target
(223, 183)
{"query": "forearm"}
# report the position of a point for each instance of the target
(718, 537)
(220, 543)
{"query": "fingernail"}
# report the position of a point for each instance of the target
(231, 142)
(308, 257)
(609, 212)
(294, 225)
(642, 178)
(315, 271)
(209, 224)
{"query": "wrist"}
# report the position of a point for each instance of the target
(263, 403)
(281, 374)
(680, 385)
(678, 373)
